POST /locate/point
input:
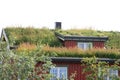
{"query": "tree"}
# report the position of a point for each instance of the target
(19, 66)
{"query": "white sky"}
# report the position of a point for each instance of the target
(95, 14)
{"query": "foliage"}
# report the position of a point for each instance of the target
(3, 46)
(114, 40)
(23, 66)
(30, 35)
(14, 67)
(76, 52)
(72, 76)
(99, 70)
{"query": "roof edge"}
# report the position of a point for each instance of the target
(81, 38)
(78, 59)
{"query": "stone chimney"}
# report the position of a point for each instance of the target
(58, 25)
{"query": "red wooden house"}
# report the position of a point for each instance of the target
(84, 42)
(65, 66)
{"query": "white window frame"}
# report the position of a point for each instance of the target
(56, 73)
(84, 45)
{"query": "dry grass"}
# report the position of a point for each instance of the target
(26, 47)
(76, 52)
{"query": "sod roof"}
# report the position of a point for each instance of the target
(20, 35)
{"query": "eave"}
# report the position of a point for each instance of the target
(78, 60)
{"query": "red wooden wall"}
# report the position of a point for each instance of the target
(72, 68)
(70, 43)
(98, 44)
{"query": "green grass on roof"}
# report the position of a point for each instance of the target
(76, 52)
(36, 36)
(82, 32)
(20, 35)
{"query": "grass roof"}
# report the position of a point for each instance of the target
(46, 36)
(76, 52)
(18, 35)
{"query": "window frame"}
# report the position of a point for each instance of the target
(85, 45)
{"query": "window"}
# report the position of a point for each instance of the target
(110, 75)
(59, 73)
(84, 45)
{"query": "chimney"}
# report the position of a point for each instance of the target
(58, 25)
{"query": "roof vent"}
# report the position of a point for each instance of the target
(58, 25)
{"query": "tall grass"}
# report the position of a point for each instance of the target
(76, 52)
(19, 35)
(26, 47)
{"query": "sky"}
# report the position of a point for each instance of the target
(94, 14)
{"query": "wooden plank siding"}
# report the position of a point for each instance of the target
(72, 68)
(70, 43)
(98, 44)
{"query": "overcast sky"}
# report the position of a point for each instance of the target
(95, 14)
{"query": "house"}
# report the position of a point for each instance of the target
(71, 65)
(66, 65)
(84, 42)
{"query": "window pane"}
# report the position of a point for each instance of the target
(84, 45)
(81, 45)
(54, 72)
(59, 73)
(63, 72)
(113, 74)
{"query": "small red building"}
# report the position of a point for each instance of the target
(84, 42)
(66, 66)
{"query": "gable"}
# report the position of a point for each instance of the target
(4, 40)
